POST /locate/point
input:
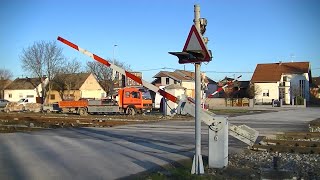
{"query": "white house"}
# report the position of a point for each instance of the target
(184, 79)
(24, 88)
(281, 81)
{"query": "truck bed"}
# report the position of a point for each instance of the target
(73, 104)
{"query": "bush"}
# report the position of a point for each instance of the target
(299, 100)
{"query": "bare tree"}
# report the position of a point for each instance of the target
(104, 74)
(42, 59)
(5, 74)
(296, 92)
(253, 90)
(70, 67)
(66, 77)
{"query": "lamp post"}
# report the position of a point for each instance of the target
(113, 71)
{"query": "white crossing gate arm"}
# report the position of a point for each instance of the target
(243, 133)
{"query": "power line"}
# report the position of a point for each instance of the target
(165, 68)
(228, 72)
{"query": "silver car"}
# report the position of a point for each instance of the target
(3, 103)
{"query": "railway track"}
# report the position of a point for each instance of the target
(294, 142)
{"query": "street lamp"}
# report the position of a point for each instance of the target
(113, 71)
(114, 46)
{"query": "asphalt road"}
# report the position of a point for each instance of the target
(118, 152)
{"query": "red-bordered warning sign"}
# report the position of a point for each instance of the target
(195, 43)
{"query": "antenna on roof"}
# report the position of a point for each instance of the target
(292, 57)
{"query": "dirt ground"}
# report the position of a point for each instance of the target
(30, 121)
(245, 165)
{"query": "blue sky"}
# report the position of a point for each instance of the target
(241, 33)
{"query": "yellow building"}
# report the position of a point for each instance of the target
(73, 87)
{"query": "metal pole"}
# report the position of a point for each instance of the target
(113, 71)
(197, 166)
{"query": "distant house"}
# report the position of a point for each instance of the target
(3, 85)
(315, 89)
(123, 81)
(184, 79)
(74, 86)
(241, 90)
(282, 81)
(25, 88)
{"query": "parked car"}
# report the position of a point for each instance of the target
(51, 108)
(3, 103)
(24, 101)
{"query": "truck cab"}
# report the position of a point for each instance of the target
(133, 100)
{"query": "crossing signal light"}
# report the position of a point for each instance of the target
(189, 56)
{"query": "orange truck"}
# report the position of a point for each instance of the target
(130, 101)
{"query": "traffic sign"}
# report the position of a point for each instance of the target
(194, 50)
(195, 45)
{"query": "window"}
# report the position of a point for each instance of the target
(127, 94)
(265, 93)
(10, 95)
(30, 96)
(167, 80)
(136, 95)
(302, 86)
(52, 97)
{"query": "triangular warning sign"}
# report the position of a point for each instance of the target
(195, 43)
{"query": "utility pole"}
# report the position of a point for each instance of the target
(197, 165)
(113, 71)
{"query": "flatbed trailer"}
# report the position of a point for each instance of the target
(83, 107)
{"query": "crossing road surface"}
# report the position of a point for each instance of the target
(118, 152)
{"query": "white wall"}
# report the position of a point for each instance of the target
(163, 81)
(16, 95)
(272, 88)
(295, 78)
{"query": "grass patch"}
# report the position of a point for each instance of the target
(179, 170)
(182, 170)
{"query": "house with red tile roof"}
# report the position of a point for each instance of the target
(283, 80)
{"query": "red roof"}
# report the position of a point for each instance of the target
(272, 72)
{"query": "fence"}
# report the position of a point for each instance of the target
(227, 102)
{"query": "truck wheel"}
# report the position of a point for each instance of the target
(83, 112)
(131, 111)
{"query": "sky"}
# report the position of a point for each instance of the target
(140, 33)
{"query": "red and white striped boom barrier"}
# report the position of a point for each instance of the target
(226, 85)
(121, 71)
